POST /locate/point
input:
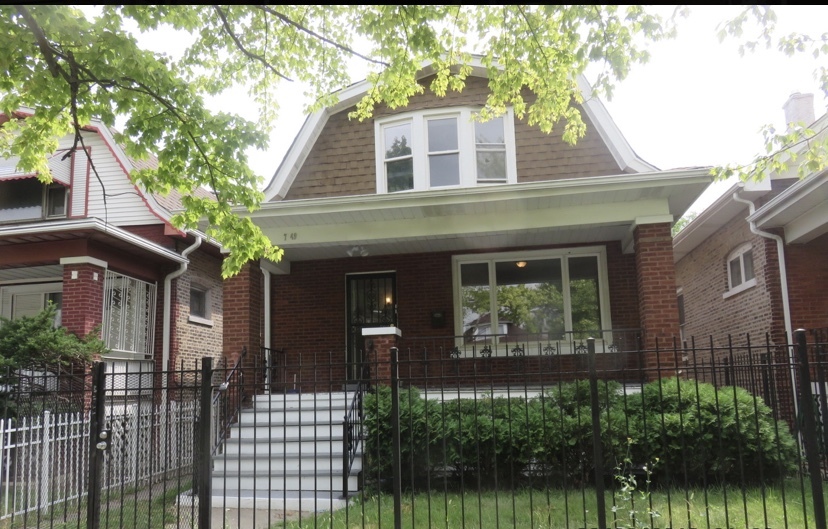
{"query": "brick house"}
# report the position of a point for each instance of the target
(409, 224)
(104, 251)
(754, 261)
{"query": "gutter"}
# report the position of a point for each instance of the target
(783, 280)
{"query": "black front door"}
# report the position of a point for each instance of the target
(372, 302)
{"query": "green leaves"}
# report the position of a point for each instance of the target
(70, 68)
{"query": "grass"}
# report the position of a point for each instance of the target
(128, 509)
(547, 509)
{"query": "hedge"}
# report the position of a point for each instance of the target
(696, 433)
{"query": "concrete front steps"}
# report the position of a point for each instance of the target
(286, 453)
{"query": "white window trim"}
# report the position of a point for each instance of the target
(738, 253)
(603, 277)
(466, 145)
(208, 306)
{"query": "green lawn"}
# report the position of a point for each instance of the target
(574, 509)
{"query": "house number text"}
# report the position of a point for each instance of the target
(291, 236)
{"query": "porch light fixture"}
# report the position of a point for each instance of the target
(357, 251)
(520, 264)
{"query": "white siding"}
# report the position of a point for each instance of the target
(124, 206)
(78, 192)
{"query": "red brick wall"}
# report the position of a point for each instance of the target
(702, 276)
(242, 313)
(308, 311)
(807, 267)
(656, 277)
(82, 298)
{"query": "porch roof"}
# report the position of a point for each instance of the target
(568, 211)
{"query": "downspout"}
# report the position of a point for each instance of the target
(266, 293)
(165, 340)
(783, 280)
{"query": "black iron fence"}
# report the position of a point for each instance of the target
(683, 435)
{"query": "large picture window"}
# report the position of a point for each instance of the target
(443, 148)
(554, 295)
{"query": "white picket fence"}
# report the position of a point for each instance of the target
(44, 459)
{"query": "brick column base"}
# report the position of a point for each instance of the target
(378, 344)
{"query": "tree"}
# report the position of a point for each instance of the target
(69, 68)
(798, 146)
(34, 341)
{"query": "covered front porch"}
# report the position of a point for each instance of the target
(539, 266)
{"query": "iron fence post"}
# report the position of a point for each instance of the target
(204, 464)
(395, 438)
(96, 427)
(810, 429)
(597, 447)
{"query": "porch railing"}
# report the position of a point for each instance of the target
(532, 344)
(227, 401)
(352, 434)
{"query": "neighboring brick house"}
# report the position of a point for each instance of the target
(412, 221)
(730, 277)
(102, 250)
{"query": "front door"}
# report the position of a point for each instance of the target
(372, 302)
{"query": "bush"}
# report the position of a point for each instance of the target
(696, 432)
(701, 433)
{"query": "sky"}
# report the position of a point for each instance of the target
(697, 102)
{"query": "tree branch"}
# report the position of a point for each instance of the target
(42, 42)
(290, 22)
(253, 56)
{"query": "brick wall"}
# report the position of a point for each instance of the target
(807, 280)
(656, 278)
(82, 297)
(342, 160)
(192, 340)
(702, 276)
(309, 315)
(242, 312)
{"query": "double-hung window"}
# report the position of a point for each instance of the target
(740, 272)
(444, 148)
(556, 295)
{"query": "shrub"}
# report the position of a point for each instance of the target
(701, 433)
(696, 432)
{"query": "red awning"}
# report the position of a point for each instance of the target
(23, 176)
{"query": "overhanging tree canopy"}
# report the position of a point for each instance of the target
(70, 68)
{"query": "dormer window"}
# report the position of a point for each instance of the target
(444, 148)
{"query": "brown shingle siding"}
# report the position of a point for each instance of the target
(342, 161)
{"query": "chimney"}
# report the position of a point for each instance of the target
(799, 108)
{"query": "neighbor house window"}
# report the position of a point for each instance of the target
(129, 316)
(200, 304)
(553, 295)
(29, 199)
(17, 301)
(442, 149)
(740, 273)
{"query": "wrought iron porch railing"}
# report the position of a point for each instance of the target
(227, 402)
(352, 433)
(521, 344)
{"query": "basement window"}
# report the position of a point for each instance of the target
(200, 305)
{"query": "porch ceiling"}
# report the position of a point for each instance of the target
(541, 213)
(801, 210)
